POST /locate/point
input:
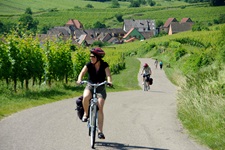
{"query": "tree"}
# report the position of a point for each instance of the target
(217, 2)
(27, 22)
(99, 25)
(119, 17)
(134, 3)
(115, 4)
(159, 23)
(89, 6)
(28, 11)
(151, 2)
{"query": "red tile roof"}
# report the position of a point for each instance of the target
(75, 23)
(168, 22)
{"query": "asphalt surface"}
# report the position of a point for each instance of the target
(134, 120)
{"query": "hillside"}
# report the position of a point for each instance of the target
(194, 61)
(51, 14)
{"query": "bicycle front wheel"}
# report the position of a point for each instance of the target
(93, 122)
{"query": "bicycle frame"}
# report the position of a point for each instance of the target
(146, 85)
(93, 112)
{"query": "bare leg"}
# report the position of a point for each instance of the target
(101, 102)
(86, 100)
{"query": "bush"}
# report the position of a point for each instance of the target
(180, 52)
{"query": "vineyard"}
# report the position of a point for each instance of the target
(24, 60)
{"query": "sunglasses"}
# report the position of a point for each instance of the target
(92, 56)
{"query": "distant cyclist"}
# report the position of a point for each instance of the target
(146, 72)
(98, 71)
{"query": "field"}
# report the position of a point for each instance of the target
(55, 14)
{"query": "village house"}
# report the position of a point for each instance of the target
(131, 30)
(132, 35)
(145, 27)
(167, 24)
(172, 26)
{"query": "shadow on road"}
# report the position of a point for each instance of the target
(120, 146)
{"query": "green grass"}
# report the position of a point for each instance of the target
(202, 107)
(11, 102)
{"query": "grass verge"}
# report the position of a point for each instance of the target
(11, 102)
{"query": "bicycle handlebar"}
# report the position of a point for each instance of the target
(95, 84)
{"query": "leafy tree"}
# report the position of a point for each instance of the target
(89, 6)
(119, 17)
(28, 11)
(99, 25)
(45, 28)
(151, 2)
(221, 18)
(217, 2)
(159, 23)
(134, 3)
(1, 27)
(5, 65)
(27, 22)
(115, 4)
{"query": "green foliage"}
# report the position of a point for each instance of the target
(192, 42)
(115, 4)
(201, 106)
(80, 58)
(180, 52)
(151, 2)
(217, 2)
(119, 17)
(28, 11)
(27, 22)
(99, 25)
(135, 3)
(89, 6)
(200, 26)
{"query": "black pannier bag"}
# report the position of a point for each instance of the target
(150, 81)
(79, 107)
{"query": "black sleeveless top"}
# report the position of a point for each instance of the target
(97, 76)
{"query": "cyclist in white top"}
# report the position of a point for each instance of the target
(146, 72)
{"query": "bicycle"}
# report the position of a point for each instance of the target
(146, 83)
(93, 112)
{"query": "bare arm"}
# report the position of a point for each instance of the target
(82, 73)
(108, 75)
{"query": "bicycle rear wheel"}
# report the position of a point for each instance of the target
(93, 124)
(145, 86)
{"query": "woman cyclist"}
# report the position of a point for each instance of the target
(98, 71)
(146, 72)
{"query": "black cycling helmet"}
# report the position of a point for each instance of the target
(98, 52)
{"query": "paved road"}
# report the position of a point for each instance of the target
(134, 120)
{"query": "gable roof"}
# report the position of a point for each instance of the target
(186, 20)
(133, 33)
(140, 25)
(59, 30)
(168, 22)
(75, 23)
(125, 36)
(104, 37)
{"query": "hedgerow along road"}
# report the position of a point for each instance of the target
(134, 120)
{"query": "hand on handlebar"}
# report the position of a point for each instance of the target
(110, 85)
(79, 82)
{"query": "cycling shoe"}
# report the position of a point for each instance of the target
(101, 135)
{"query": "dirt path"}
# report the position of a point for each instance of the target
(134, 120)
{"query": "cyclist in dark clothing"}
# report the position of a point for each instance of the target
(98, 71)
